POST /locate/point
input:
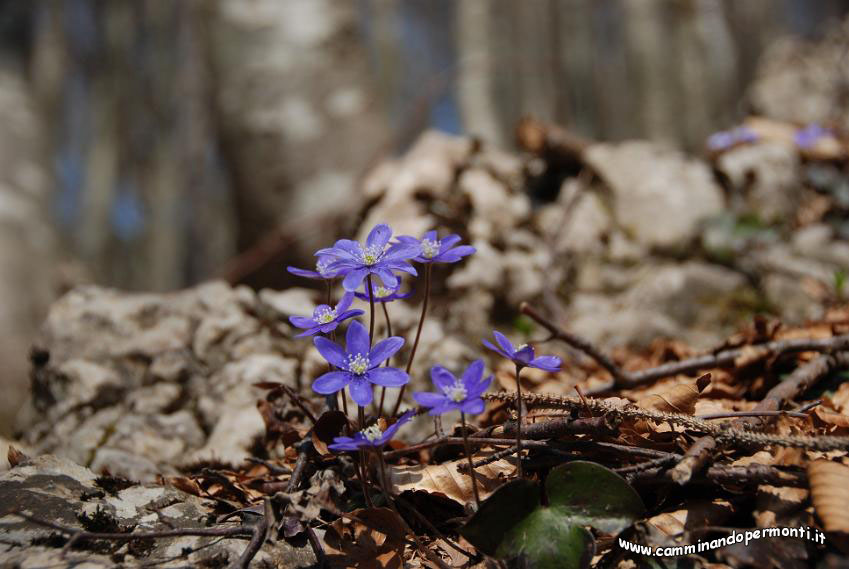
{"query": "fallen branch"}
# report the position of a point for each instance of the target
(724, 358)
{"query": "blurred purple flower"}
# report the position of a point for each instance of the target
(322, 269)
(355, 261)
(325, 319)
(370, 436)
(358, 364)
(383, 293)
(810, 135)
(725, 139)
(462, 394)
(522, 356)
(434, 250)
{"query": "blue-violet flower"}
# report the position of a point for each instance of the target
(522, 356)
(370, 436)
(383, 293)
(379, 258)
(462, 394)
(434, 250)
(358, 364)
(324, 318)
(810, 135)
(322, 269)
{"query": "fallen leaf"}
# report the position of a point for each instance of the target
(374, 540)
(829, 483)
(446, 480)
(15, 457)
(681, 398)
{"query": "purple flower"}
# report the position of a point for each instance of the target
(370, 436)
(322, 269)
(462, 394)
(434, 250)
(727, 138)
(810, 135)
(522, 356)
(355, 261)
(383, 293)
(324, 319)
(358, 364)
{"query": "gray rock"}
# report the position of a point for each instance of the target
(660, 197)
(59, 491)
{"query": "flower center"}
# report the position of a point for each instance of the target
(372, 255)
(455, 392)
(358, 364)
(325, 315)
(372, 433)
(321, 267)
(430, 248)
(382, 292)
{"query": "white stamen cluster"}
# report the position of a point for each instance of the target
(456, 391)
(321, 267)
(372, 433)
(325, 315)
(522, 347)
(382, 292)
(358, 364)
(430, 248)
(372, 255)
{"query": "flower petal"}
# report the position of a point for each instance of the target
(547, 363)
(441, 377)
(455, 254)
(356, 339)
(447, 242)
(354, 279)
(402, 251)
(446, 407)
(478, 389)
(345, 302)
(311, 332)
(390, 432)
(472, 375)
(525, 355)
(427, 399)
(360, 391)
(348, 314)
(331, 351)
(379, 236)
(384, 349)
(389, 279)
(302, 322)
(303, 273)
(388, 376)
(497, 349)
(473, 406)
(504, 342)
(331, 382)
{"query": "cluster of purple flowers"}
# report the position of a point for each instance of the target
(374, 267)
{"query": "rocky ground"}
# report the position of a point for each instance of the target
(623, 244)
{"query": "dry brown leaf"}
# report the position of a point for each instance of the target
(680, 398)
(840, 398)
(829, 483)
(831, 417)
(445, 479)
(374, 541)
(14, 456)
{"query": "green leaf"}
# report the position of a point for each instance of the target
(545, 539)
(513, 525)
(507, 506)
(592, 495)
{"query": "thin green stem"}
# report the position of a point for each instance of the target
(428, 268)
(518, 421)
(472, 472)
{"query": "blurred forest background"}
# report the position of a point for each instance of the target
(150, 145)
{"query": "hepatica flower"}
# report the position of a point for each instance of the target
(383, 293)
(522, 356)
(358, 364)
(370, 436)
(810, 135)
(434, 250)
(322, 269)
(463, 394)
(377, 257)
(324, 318)
(725, 139)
